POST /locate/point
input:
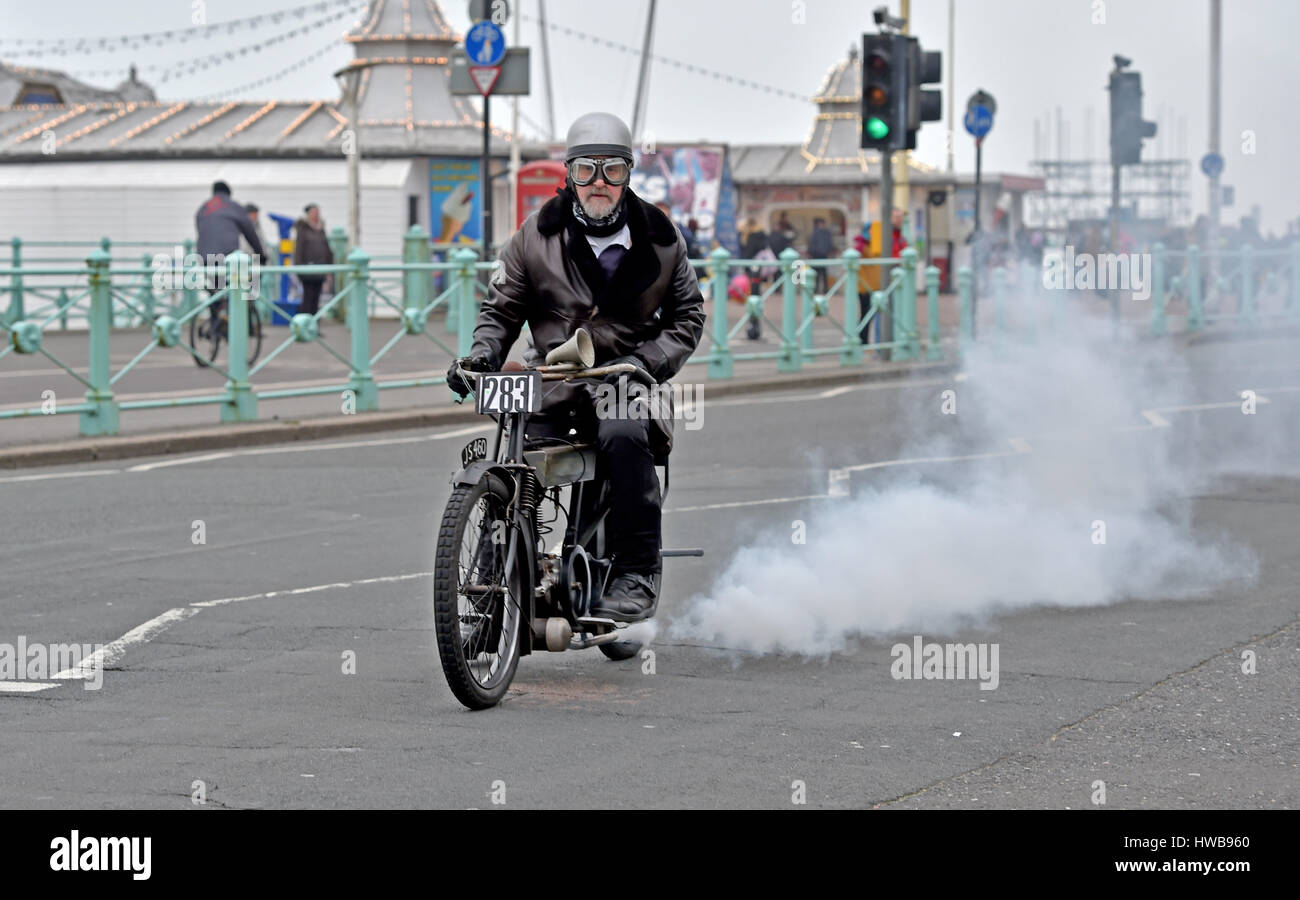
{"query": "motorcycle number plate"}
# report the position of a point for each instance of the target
(509, 392)
(475, 449)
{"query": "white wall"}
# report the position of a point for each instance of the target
(156, 200)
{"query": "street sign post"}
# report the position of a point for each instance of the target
(485, 48)
(484, 77)
(485, 44)
(979, 121)
(513, 81)
(980, 110)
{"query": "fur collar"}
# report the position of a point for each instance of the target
(643, 219)
(640, 267)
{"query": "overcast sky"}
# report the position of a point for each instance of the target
(1032, 55)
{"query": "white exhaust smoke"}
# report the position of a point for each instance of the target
(1082, 502)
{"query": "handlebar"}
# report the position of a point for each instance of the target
(571, 371)
(566, 372)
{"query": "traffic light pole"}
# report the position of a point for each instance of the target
(977, 240)
(1114, 242)
(487, 177)
(1216, 192)
(886, 245)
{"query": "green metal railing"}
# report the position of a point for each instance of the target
(801, 306)
(412, 291)
(415, 288)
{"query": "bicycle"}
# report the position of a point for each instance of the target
(498, 594)
(207, 333)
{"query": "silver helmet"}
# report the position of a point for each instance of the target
(598, 134)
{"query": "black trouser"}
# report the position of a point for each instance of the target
(633, 527)
(311, 286)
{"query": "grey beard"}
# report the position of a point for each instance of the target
(594, 219)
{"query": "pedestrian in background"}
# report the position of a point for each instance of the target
(311, 248)
(756, 242)
(820, 246)
(692, 234)
(783, 235)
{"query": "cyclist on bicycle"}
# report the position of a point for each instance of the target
(220, 222)
(599, 257)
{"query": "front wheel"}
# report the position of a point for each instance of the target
(254, 332)
(479, 586)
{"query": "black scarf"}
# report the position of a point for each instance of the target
(610, 224)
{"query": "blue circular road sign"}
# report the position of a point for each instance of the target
(485, 45)
(1212, 164)
(979, 120)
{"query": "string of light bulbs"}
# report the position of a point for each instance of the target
(63, 46)
(675, 63)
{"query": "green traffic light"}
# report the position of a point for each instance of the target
(877, 130)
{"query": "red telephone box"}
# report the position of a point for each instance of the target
(537, 184)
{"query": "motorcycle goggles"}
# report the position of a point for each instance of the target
(615, 170)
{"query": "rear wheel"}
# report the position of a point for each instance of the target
(205, 338)
(478, 593)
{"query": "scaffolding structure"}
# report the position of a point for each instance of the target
(1077, 191)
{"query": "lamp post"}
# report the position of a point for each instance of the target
(349, 78)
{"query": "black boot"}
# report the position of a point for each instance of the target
(630, 597)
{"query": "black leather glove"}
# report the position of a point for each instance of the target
(457, 382)
(641, 374)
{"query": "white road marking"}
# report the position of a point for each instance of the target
(838, 483)
(838, 479)
(112, 652)
(375, 442)
(47, 476)
(25, 687)
(915, 460)
(835, 392)
(305, 447)
(266, 595)
(183, 461)
(739, 503)
(822, 395)
(1198, 407)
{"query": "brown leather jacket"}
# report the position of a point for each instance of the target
(652, 307)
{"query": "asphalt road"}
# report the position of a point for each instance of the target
(242, 688)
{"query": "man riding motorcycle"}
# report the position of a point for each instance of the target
(597, 256)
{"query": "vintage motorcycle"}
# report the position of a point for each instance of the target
(498, 593)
